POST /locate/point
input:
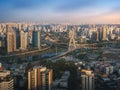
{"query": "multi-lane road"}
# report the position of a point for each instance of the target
(25, 53)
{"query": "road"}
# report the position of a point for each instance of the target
(25, 53)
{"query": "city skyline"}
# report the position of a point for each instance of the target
(63, 11)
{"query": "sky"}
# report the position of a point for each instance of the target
(61, 11)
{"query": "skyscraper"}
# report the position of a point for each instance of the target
(40, 78)
(97, 36)
(87, 78)
(104, 34)
(11, 40)
(36, 39)
(23, 40)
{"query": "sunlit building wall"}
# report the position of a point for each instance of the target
(6, 81)
(11, 40)
(87, 79)
(23, 40)
(40, 78)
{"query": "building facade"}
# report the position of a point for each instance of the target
(40, 78)
(11, 40)
(87, 80)
(104, 34)
(6, 81)
(36, 39)
(23, 40)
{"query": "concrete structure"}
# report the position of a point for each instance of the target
(1, 43)
(4, 73)
(40, 78)
(6, 81)
(36, 39)
(72, 44)
(11, 40)
(23, 40)
(97, 37)
(104, 34)
(7, 84)
(109, 69)
(87, 78)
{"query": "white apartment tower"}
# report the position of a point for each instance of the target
(87, 78)
(40, 78)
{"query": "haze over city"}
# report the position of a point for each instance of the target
(61, 11)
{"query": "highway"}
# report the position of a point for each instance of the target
(34, 52)
(25, 53)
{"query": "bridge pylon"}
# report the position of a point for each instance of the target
(72, 44)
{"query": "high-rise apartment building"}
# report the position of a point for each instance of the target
(97, 36)
(11, 40)
(87, 80)
(36, 39)
(104, 33)
(40, 78)
(17, 38)
(23, 39)
(6, 81)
